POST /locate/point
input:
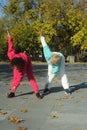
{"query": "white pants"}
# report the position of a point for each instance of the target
(51, 76)
(63, 75)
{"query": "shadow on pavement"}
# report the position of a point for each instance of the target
(5, 68)
(58, 89)
(73, 88)
(24, 94)
(80, 86)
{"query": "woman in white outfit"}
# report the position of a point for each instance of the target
(56, 63)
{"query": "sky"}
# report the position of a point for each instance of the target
(2, 3)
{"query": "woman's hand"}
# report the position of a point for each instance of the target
(8, 33)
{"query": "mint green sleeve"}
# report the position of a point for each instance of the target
(47, 53)
(55, 70)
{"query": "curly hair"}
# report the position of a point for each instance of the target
(18, 63)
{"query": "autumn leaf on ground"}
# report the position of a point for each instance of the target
(78, 129)
(81, 96)
(3, 112)
(54, 115)
(65, 97)
(60, 104)
(76, 80)
(15, 120)
(21, 128)
(25, 110)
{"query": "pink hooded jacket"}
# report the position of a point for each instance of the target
(18, 76)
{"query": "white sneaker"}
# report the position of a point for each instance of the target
(68, 91)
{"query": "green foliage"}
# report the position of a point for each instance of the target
(80, 38)
(25, 38)
(62, 22)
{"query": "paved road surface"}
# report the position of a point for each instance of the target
(55, 111)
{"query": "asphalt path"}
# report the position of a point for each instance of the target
(55, 111)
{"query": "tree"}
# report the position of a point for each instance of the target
(63, 22)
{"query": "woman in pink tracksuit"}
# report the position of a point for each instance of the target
(21, 64)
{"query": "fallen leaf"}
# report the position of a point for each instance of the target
(21, 128)
(3, 112)
(25, 110)
(53, 116)
(81, 96)
(66, 97)
(77, 129)
(15, 120)
(60, 104)
(76, 80)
